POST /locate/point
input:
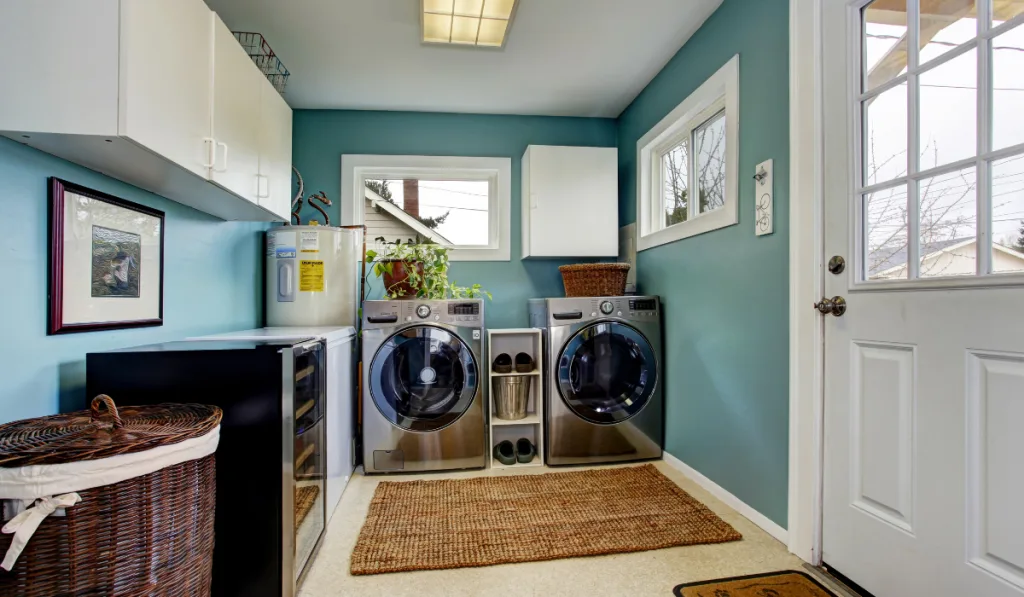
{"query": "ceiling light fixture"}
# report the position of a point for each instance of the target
(481, 23)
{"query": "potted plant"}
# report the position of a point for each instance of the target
(417, 270)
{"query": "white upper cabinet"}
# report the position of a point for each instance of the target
(161, 96)
(274, 190)
(570, 201)
(236, 115)
(166, 105)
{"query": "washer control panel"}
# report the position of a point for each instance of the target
(466, 313)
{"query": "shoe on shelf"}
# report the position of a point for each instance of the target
(502, 364)
(525, 450)
(505, 453)
(524, 363)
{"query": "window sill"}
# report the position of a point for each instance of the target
(716, 220)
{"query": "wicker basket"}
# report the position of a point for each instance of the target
(595, 279)
(146, 535)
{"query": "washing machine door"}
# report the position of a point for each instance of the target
(423, 378)
(607, 372)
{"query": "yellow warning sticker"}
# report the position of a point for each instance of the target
(311, 276)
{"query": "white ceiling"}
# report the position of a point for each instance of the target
(563, 57)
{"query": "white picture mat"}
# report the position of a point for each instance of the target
(80, 215)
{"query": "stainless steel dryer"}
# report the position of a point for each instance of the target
(424, 391)
(602, 395)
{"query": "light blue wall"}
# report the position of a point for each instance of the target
(212, 283)
(725, 293)
(322, 136)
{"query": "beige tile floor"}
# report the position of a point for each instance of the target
(634, 574)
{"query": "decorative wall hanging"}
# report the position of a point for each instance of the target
(106, 261)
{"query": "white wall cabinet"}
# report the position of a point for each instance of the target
(162, 97)
(570, 201)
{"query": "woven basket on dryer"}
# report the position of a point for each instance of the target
(133, 496)
(595, 279)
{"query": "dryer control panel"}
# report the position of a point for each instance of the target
(465, 313)
(562, 311)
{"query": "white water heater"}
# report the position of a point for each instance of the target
(313, 276)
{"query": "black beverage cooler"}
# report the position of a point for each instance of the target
(271, 461)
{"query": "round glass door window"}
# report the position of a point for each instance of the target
(607, 372)
(423, 378)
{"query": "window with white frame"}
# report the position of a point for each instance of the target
(460, 202)
(936, 100)
(687, 179)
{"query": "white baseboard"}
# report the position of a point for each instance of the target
(729, 499)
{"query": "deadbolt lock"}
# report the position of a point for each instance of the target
(837, 264)
(835, 305)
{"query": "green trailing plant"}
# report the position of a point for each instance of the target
(417, 269)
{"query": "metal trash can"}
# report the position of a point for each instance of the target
(511, 393)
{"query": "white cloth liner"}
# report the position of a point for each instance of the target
(53, 486)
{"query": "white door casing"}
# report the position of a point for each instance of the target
(924, 374)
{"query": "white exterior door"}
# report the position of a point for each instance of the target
(924, 373)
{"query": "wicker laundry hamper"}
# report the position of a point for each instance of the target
(123, 500)
(595, 279)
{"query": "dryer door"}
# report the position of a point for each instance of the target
(423, 378)
(607, 372)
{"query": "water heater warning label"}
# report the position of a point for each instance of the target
(309, 242)
(311, 276)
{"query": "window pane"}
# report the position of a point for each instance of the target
(1008, 215)
(1004, 10)
(885, 145)
(948, 106)
(885, 232)
(709, 140)
(1008, 92)
(949, 224)
(450, 212)
(885, 42)
(674, 174)
(945, 25)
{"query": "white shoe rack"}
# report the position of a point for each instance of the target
(513, 342)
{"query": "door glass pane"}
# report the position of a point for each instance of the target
(945, 24)
(949, 224)
(1004, 10)
(447, 212)
(423, 377)
(674, 174)
(1008, 215)
(884, 41)
(1008, 88)
(709, 140)
(885, 233)
(885, 143)
(948, 96)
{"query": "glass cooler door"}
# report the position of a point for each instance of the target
(310, 464)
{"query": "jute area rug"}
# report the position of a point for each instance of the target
(787, 583)
(455, 523)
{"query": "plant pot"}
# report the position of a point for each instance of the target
(396, 281)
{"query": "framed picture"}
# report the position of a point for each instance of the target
(106, 261)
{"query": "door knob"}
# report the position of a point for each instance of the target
(835, 305)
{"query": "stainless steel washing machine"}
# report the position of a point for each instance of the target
(424, 388)
(602, 394)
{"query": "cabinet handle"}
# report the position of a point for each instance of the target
(211, 150)
(260, 186)
(225, 168)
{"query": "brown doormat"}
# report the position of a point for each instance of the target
(455, 523)
(787, 583)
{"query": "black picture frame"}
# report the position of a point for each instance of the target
(56, 295)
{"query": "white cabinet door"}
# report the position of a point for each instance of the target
(236, 115)
(166, 58)
(573, 201)
(275, 184)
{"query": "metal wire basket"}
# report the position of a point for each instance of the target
(259, 50)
